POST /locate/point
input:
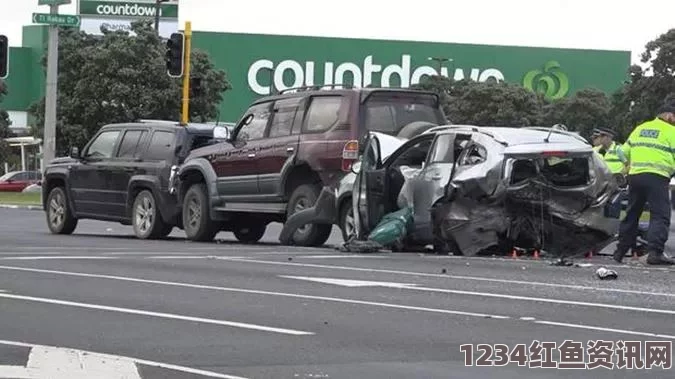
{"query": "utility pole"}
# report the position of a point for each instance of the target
(54, 20)
(51, 90)
(185, 112)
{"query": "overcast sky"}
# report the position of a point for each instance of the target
(591, 24)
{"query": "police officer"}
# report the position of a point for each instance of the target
(650, 149)
(611, 152)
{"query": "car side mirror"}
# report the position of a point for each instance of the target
(356, 167)
(221, 133)
(75, 152)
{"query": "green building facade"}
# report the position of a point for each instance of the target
(256, 64)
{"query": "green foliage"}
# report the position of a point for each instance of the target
(585, 110)
(5, 132)
(118, 77)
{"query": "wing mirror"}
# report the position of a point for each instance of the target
(221, 133)
(75, 152)
(356, 167)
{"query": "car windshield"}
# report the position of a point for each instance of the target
(389, 112)
(6, 176)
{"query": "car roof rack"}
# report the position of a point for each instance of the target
(316, 88)
(555, 129)
(150, 121)
(477, 129)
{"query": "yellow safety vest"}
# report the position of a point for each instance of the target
(650, 148)
(611, 157)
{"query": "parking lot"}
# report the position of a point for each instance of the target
(182, 309)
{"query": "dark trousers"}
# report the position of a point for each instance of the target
(643, 188)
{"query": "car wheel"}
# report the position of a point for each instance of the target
(347, 224)
(60, 219)
(145, 217)
(196, 221)
(303, 197)
(250, 233)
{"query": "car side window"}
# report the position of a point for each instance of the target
(474, 155)
(283, 117)
(256, 128)
(323, 113)
(104, 145)
(415, 155)
(161, 145)
(448, 147)
(129, 147)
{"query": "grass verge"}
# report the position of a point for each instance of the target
(20, 198)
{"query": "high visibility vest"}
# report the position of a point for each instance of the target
(650, 148)
(611, 157)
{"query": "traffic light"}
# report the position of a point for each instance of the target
(4, 57)
(175, 52)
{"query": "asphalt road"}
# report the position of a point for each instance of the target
(177, 309)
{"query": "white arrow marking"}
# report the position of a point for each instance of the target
(363, 283)
(350, 282)
(158, 314)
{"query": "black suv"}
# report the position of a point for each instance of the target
(122, 175)
(285, 148)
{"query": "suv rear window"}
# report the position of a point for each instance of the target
(323, 114)
(389, 112)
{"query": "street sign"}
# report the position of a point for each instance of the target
(56, 19)
(53, 2)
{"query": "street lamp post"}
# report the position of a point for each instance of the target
(157, 12)
(440, 61)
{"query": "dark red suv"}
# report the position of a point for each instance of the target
(285, 148)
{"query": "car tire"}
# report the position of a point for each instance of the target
(346, 219)
(146, 218)
(197, 223)
(250, 233)
(60, 219)
(305, 196)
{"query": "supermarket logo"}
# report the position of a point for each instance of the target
(551, 82)
(127, 10)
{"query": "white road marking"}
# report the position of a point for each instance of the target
(257, 292)
(183, 257)
(55, 257)
(68, 363)
(114, 358)
(157, 314)
(322, 298)
(601, 329)
(447, 276)
(363, 283)
(338, 256)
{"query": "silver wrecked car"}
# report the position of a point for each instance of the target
(473, 189)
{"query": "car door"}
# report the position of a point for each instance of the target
(126, 163)
(370, 187)
(91, 179)
(235, 163)
(277, 151)
(432, 182)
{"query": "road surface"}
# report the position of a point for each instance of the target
(100, 303)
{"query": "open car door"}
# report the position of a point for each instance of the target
(370, 187)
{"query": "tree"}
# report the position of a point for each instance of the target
(118, 77)
(585, 110)
(488, 103)
(646, 90)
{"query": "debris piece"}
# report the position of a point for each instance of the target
(606, 274)
(561, 262)
(583, 264)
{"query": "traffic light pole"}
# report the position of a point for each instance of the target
(49, 135)
(185, 112)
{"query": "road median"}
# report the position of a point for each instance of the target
(21, 200)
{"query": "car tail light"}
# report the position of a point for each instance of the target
(350, 153)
